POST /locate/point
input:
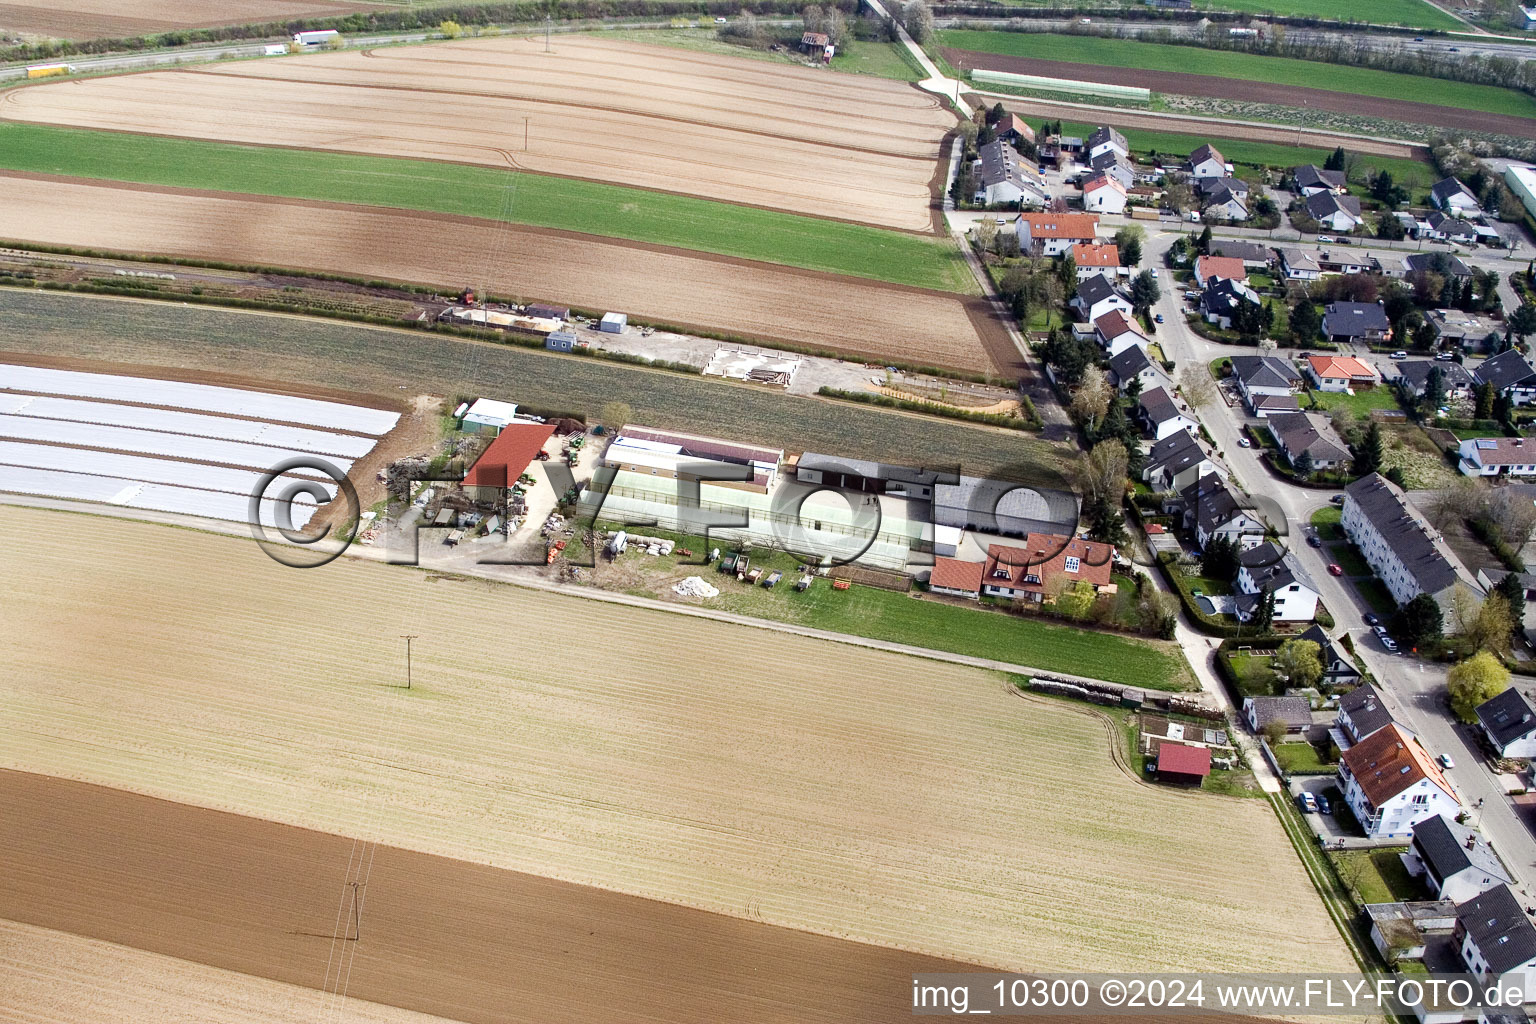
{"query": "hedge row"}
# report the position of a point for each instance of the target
(1029, 421)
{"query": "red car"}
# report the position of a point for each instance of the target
(1335, 569)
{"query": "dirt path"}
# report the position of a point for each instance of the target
(1182, 84)
(95, 19)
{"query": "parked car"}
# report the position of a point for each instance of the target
(1337, 499)
(1307, 802)
(1418, 39)
(1312, 541)
(1445, 357)
(1335, 569)
(1323, 805)
(1371, 619)
(1154, 272)
(1325, 239)
(1445, 761)
(1399, 354)
(1243, 442)
(1158, 318)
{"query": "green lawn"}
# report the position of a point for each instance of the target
(1360, 403)
(1410, 173)
(1376, 596)
(1254, 672)
(1327, 523)
(1377, 876)
(539, 200)
(1409, 13)
(917, 620)
(1300, 758)
(1130, 53)
(1351, 561)
(861, 57)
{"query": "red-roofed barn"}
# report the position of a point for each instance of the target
(505, 459)
(1181, 762)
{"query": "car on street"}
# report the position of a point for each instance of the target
(1445, 761)
(1337, 499)
(1445, 357)
(1158, 318)
(1243, 442)
(1454, 49)
(1312, 541)
(1335, 569)
(1307, 802)
(1371, 619)
(1325, 239)
(1154, 272)
(1399, 354)
(1388, 644)
(1418, 39)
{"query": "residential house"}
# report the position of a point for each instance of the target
(1338, 670)
(1497, 456)
(1443, 263)
(1115, 164)
(1450, 195)
(1175, 462)
(1133, 363)
(1269, 568)
(1362, 714)
(1458, 864)
(1219, 301)
(1509, 723)
(1206, 162)
(1309, 433)
(1498, 942)
(1091, 260)
(1391, 783)
(1346, 261)
(1470, 332)
(1413, 377)
(1446, 227)
(955, 577)
(1116, 332)
(1013, 128)
(1210, 268)
(1004, 178)
(1401, 549)
(1104, 194)
(1106, 139)
(1300, 265)
(1350, 322)
(1045, 562)
(1334, 212)
(1205, 188)
(1159, 414)
(1311, 179)
(1097, 296)
(1267, 384)
(1527, 17)
(1510, 375)
(1213, 508)
(1051, 234)
(1253, 255)
(1225, 205)
(1292, 711)
(1340, 373)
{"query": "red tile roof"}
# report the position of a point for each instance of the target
(504, 460)
(953, 574)
(1061, 225)
(1182, 759)
(1389, 761)
(1045, 556)
(1347, 367)
(1230, 267)
(1014, 123)
(1115, 323)
(1096, 255)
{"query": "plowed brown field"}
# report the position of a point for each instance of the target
(848, 792)
(850, 147)
(710, 293)
(94, 19)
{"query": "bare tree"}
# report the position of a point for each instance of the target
(1198, 388)
(1101, 473)
(1453, 504)
(986, 233)
(917, 19)
(1091, 399)
(1513, 516)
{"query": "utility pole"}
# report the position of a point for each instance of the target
(548, 21)
(408, 637)
(525, 135)
(357, 918)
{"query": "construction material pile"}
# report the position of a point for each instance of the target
(694, 586)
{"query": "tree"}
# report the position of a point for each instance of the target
(1196, 385)
(1075, 601)
(1434, 389)
(1101, 479)
(986, 233)
(615, 415)
(1453, 504)
(917, 19)
(1485, 399)
(997, 113)
(1298, 662)
(1511, 516)
(450, 29)
(1418, 622)
(836, 28)
(1274, 732)
(1523, 320)
(1390, 228)
(1264, 612)
(1336, 160)
(1091, 399)
(1304, 321)
(1219, 559)
(1370, 452)
(1128, 244)
(1493, 631)
(1303, 464)
(1475, 681)
(1144, 291)
(1158, 613)
(1513, 591)
(1203, 243)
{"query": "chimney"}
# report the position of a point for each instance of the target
(1471, 840)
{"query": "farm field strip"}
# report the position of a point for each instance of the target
(846, 147)
(843, 791)
(568, 204)
(136, 468)
(201, 397)
(153, 442)
(141, 494)
(1410, 13)
(1354, 89)
(757, 301)
(94, 19)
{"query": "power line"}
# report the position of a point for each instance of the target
(408, 637)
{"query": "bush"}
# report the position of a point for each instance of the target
(1029, 421)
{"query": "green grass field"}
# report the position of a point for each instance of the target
(539, 200)
(1377, 876)
(1415, 174)
(1361, 403)
(1409, 13)
(1130, 53)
